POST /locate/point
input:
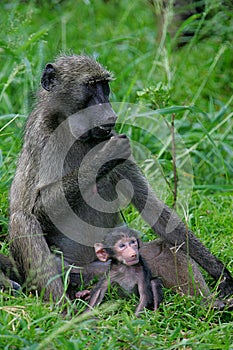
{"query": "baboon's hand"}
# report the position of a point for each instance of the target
(118, 147)
(83, 294)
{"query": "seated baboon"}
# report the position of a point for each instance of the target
(71, 169)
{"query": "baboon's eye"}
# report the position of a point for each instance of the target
(121, 245)
(92, 84)
(97, 92)
(106, 88)
(101, 87)
(133, 241)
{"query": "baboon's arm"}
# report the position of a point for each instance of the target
(34, 256)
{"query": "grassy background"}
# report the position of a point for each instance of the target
(123, 35)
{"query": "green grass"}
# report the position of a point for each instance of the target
(124, 36)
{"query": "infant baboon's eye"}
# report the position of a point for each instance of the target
(121, 245)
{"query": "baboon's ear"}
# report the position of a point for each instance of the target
(101, 253)
(48, 77)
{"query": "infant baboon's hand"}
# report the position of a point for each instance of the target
(83, 294)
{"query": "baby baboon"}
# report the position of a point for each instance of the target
(127, 269)
(69, 174)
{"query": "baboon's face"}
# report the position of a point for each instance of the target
(98, 104)
(78, 84)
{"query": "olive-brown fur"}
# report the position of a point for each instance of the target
(67, 89)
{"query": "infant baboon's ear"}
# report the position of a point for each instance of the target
(101, 252)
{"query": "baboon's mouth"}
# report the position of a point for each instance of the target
(102, 131)
(132, 262)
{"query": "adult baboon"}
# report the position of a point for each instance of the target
(69, 175)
